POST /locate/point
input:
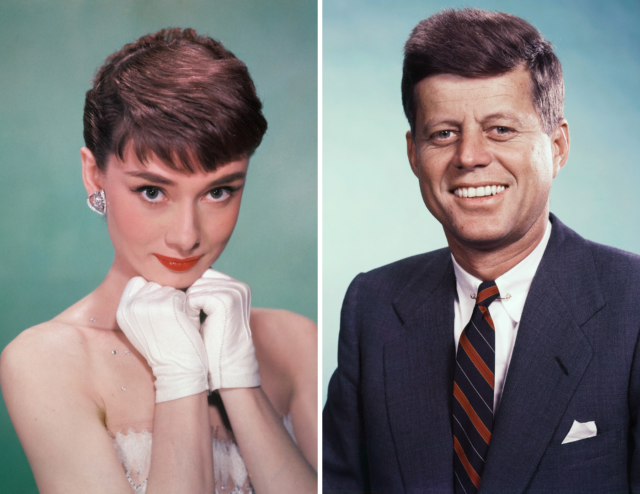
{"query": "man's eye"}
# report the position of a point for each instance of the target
(443, 134)
(500, 130)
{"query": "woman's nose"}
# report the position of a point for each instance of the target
(472, 150)
(183, 233)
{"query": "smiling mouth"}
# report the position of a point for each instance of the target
(178, 264)
(482, 191)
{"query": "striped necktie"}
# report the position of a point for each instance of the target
(473, 393)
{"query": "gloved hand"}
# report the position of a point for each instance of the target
(154, 320)
(226, 333)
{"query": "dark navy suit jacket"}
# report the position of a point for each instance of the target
(387, 421)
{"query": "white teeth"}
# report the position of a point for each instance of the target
(486, 190)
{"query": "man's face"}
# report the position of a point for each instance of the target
(484, 164)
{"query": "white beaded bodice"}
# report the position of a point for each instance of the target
(231, 477)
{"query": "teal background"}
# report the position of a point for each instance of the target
(373, 213)
(53, 249)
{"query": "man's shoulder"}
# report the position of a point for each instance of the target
(408, 267)
(612, 257)
(390, 279)
(590, 275)
(618, 271)
(609, 261)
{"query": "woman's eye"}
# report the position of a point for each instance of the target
(150, 193)
(219, 193)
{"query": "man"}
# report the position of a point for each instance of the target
(504, 363)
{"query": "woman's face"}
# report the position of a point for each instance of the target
(170, 226)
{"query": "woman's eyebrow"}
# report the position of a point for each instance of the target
(152, 177)
(159, 179)
(226, 179)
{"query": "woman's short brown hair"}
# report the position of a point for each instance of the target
(477, 43)
(179, 95)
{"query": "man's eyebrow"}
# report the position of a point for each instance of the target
(498, 115)
(428, 126)
(434, 122)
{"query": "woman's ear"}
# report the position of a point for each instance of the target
(91, 174)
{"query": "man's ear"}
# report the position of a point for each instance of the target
(412, 154)
(91, 174)
(560, 142)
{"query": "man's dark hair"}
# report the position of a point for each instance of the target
(477, 43)
(179, 95)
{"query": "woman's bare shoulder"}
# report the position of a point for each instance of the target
(282, 327)
(56, 347)
(281, 320)
(49, 338)
(287, 351)
(284, 340)
(48, 354)
(46, 374)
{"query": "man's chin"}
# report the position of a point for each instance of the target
(477, 239)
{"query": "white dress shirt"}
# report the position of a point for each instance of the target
(506, 312)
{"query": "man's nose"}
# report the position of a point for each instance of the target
(472, 150)
(184, 232)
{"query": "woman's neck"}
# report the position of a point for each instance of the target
(98, 309)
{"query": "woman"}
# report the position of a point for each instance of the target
(113, 393)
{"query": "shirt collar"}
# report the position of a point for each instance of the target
(513, 284)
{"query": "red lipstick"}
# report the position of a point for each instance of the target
(178, 264)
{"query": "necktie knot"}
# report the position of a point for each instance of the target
(487, 293)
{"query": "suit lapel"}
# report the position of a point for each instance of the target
(418, 377)
(550, 356)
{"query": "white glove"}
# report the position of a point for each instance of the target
(226, 333)
(154, 320)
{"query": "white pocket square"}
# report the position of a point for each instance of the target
(581, 430)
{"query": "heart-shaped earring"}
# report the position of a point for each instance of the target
(98, 202)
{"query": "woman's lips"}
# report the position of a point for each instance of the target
(178, 264)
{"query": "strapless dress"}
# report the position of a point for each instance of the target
(230, 474)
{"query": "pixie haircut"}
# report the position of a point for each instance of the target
(477, 43)
(179, 95)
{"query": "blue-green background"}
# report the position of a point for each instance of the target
(53, 249)
(373, 213)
